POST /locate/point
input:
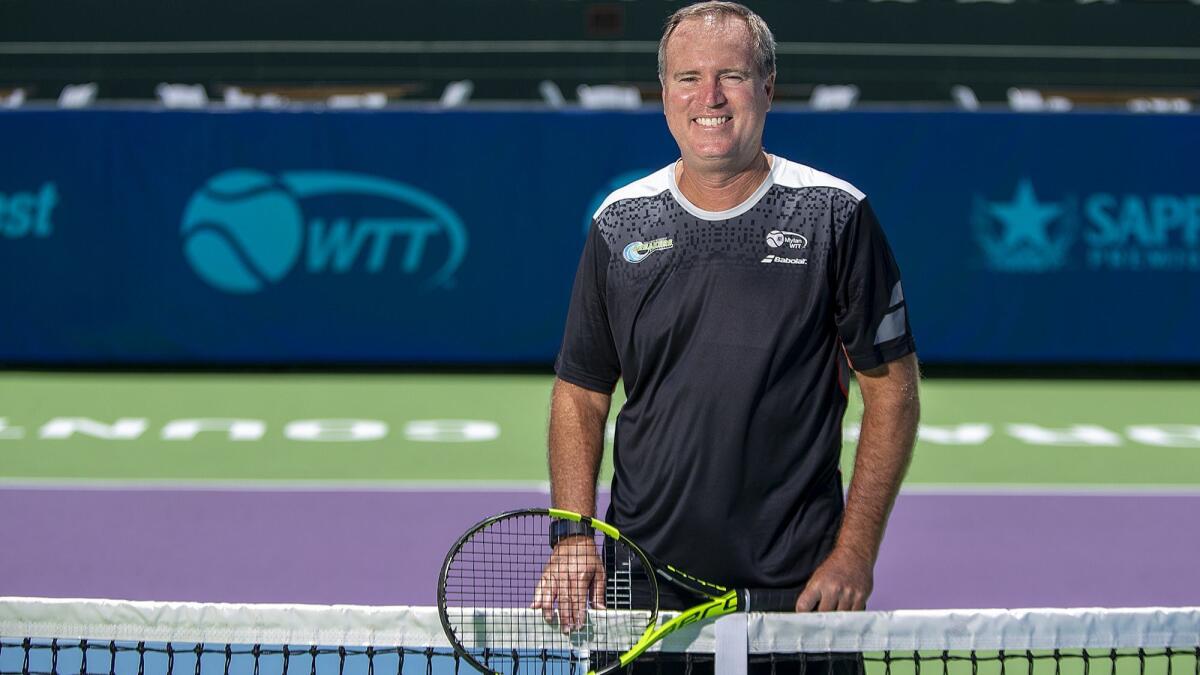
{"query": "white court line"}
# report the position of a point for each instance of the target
(543, 487)
(263, 485)
(1049, 490)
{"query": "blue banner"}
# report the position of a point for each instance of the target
(305, 237)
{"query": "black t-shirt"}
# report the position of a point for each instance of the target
(731, 332)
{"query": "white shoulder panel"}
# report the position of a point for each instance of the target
(656, 183)
(794, 175)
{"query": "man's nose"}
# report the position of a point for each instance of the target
(711, 94)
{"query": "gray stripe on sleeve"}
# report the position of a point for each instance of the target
(892, 325)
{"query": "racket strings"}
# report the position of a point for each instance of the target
(494, 577)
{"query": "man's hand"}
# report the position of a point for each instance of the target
(573, 574)
(841, 583)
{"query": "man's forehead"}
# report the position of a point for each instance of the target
(710, 37)
(710, 24)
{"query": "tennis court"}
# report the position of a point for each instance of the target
(313, 488)
(284, 283)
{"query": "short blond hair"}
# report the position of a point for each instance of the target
(763, 42)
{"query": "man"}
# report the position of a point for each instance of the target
(730, 290)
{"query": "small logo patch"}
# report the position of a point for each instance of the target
(637, 251)
(781, 239)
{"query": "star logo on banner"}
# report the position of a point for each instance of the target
(1024, 234)
(1025, 219)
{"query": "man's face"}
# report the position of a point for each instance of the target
(714, 98)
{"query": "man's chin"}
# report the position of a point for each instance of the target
(724, 159)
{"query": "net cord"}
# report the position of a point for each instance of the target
(911, 630)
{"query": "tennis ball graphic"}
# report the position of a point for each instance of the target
(242, 231)
(775, 239)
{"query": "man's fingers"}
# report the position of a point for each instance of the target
(808, 599)
(539, 593)
(543, 597)
(842, 599)
(829, 601)
(850, 600)
(581, 592)
(598, 585)
(569, 603)
(859, 603)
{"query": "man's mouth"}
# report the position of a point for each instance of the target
(712, 121)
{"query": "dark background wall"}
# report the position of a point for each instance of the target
(895, 51)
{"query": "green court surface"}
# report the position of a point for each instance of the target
(488, 428)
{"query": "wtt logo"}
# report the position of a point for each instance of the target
(245, 230)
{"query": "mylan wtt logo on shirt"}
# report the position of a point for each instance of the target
(245, 229)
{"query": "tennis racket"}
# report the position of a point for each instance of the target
(512, 605)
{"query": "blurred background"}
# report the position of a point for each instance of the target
(1098, 53)
(282, 282)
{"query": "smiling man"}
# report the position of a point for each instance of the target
(733, 291)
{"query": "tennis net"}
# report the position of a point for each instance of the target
(105, 637)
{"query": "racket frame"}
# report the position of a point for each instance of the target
(719, 600)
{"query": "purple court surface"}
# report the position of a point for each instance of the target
(384, 547)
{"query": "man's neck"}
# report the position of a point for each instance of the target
(721, 190)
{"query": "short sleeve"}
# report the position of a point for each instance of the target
(871, 311)
(588, 357)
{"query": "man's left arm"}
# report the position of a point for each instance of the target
(891, 408)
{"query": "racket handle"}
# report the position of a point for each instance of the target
(768, 599)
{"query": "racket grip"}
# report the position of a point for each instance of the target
(768, 599)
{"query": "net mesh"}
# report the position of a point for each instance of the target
(57, 637)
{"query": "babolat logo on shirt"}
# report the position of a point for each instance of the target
(637, 251)
(245, 230)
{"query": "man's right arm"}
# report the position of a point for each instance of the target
(577, 420)
(574, 574)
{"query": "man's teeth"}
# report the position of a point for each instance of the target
(712, 121)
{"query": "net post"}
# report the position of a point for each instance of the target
(733, 645)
